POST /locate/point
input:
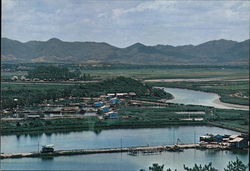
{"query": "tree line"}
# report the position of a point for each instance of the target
(237, 165)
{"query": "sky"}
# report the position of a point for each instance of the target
(122, 23)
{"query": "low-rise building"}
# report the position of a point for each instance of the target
(238, 142)
(115, 100)
(98, 104)
(111, 115)
(105, 109)
(33, 116)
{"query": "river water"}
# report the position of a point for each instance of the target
(109, 138)
(192, 97)
(116, 138)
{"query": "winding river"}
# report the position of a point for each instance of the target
(192, 97)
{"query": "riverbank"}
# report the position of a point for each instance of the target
(98, 129)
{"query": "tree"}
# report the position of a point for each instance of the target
(156, 167)
(237, 165)
(201, 168)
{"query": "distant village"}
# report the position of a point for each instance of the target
(103, 107)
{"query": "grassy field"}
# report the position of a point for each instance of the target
(235, 92)
(158, 73)
(169, 73)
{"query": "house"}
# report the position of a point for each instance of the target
(206, 138)
(211, 138)
(23, 78)
(33, 116)
(218, 138)
(238, 142)
(111, 94)
(121, 94)
(103, 97)
(36, 79)
(115, 100)
(70, 109)
(232, 137)
(112, 115)
(14, 78)
(98, 104)
(105, 109)
(132, 94)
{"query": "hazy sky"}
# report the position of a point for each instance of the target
(124, 22)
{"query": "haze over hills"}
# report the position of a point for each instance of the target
(54, 50)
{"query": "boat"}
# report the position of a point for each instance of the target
(48, 148)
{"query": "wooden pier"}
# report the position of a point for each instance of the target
(109, 150)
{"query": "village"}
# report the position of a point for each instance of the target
(103, 107)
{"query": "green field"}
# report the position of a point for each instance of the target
(169, 73)
(156, 72)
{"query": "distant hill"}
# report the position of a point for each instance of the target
(54, 50)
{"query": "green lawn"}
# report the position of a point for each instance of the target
(169, 73)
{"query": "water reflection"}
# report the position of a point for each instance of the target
(47, 158)
(117, 161)
(109, 138)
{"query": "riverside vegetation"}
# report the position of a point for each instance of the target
(236, 165)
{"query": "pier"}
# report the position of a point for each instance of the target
(143, 149)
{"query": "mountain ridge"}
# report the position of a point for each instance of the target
(55, 50)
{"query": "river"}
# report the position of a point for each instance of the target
(108, 138)
(116, 138)
(192, 97)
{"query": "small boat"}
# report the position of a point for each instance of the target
(133, 153)
(175, 149)
(47, 148)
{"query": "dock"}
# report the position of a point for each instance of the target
(142, 149)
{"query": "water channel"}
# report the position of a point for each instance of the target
(192, 97)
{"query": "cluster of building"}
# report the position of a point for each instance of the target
(233, 141)
(23, 78)
(103, 107)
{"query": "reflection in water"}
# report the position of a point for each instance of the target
(117, 161)
(110, 138)
(48, 134)
(47, 158)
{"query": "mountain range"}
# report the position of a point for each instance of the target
(54, 50)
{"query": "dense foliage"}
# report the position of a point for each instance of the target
(237, 165)
(53, 73)
(29, 94)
